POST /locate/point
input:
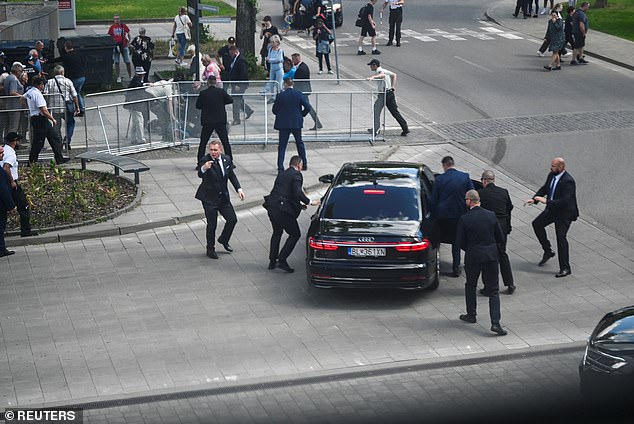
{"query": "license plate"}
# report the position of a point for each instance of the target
(366, 251)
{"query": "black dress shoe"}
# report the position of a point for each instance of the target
(497, 329)
(456, 272)
(248, 115)
(468, 318)
(6, 252)
(547, 255)
(235, 123)
(389, 43)
(62, 161)
(483, 292)
(285, 266)
(29, 234)
(563, 273)
(211, 253)
(226, 246)
(272, 264)
(404, 133)
(305, 168)
(510, 289)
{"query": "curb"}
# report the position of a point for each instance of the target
(314, 377)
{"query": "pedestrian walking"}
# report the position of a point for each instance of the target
(385, 97)
(448, 205)
(213, 116)
(6, 205)
(120, 33)
(290, 107)
(479, 234)
(395, 20)
(137, 109)
(523, 6)
(267, 31)
(301, 81)
(497, 200)
(142, 52)
(283, 205)
(568, 22)
(579, 31)
(559, 194)
(323, 37)
(368, 27)
(74, 71)
(239, 77)
(275, 59)
(181, 28)
(13, 91)
(10, 167)
(63, 102)
(216, 170)
(224, 59)
(41, 120)
(555, 35)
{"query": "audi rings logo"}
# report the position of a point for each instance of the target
(366, 239)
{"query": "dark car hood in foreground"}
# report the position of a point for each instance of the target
(616, 330)
(339, 227)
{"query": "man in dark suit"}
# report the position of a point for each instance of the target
(284, 204)
(216, 169)
(289, 109)
(302, 83)
(239, 77)
(559, 194)
(478, 235)
(6, 205)
(213, 116)
(447, 204)
(497, 200)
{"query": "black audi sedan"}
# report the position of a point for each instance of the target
(372, 229)
(607, 369)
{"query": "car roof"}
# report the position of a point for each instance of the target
(384, 172)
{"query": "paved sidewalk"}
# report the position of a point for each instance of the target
(599, 45)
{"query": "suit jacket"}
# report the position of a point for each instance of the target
(239, 72)
(212, 101)
(288, 189)
(478, 235)
(498, 201)
(447, 196)
(213, 188)
(564, 202)
(6, 197)
(290, 107)
(302, 73)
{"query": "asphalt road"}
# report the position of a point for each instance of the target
(454, 67)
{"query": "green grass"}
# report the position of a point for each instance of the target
(617, 19)
(101, 10)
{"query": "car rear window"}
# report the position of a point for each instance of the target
(373, 203)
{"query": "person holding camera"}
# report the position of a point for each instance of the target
(120, 33)
(266, 32)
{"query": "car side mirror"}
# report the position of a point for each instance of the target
(326, 179)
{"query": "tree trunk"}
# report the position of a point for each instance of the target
(600, 4)
(245, 25)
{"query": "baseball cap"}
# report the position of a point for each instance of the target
(9, 137)
(231, 40)
(18, 63)
(139, 70)
(374, 62)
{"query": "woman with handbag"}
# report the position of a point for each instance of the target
(323, 38)
(182, 29)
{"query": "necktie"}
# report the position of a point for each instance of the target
(551, 193)
(222, 170)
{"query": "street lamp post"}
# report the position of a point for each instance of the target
(334, 36)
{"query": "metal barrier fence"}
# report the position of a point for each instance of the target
(14, 117)
(164, 114)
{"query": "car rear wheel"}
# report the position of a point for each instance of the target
(435, 275)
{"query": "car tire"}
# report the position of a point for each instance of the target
(435, 275)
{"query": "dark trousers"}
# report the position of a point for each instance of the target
(19, 198)
(396, 18)
(283, 222)
(3, 226)
(521, 4)
(42, 129)
(562, 226)
(211, 214)
(505, 263)
(325, 56)
(283, 142)
(205, 135)
(444, 231)
(239, 104)
(388, 100)
(489, 272)
(313, 115)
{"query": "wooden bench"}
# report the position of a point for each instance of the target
(126, 164)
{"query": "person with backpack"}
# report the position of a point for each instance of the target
(368, 26)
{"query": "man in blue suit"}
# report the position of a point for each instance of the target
(289, 109)
(447, 203)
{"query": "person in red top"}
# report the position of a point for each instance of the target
(120, 33)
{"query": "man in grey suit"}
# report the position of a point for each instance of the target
(302, 83)
(478, 235)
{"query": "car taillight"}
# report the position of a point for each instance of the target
(413, 246)
(373, 191)
(321, 244)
